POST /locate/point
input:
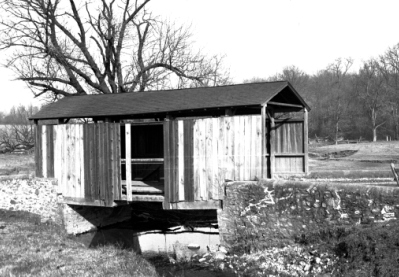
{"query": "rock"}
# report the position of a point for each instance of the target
(317, 260)
(219, 256)
(171, 260)
(223, 249)
(13, 202)
(202, 260)
(222, 266)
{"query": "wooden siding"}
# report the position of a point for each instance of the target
(44, 151)
(84, 158)
(200, 154)
(289, 147)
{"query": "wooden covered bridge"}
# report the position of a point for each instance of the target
(175, 146)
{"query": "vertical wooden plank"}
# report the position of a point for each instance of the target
(166, 143)
(174, 186)
(177, 158)
(66, 142)
(95, 186)
(81, 162)
(76, 167)
(118, 194)
(272, 144)
(215, 158)
(128, 162)
(294, 138)
(229, 138)
(86, 162)
(91, 142)
(196, 159)
(113, 159)
(106, 163)
(203, 177)
(110, 160)
(74, 163)
(305, 141)
(100, 161)
(264, 169)
(189, 160)
(300, 127)
(258, 144)
(50, 151)
(221, 168)
(247, 147)
(181, 169)
(252, 147)
(69, 158)
(56, 157)
(62, 143)
(44, 151)
(38, 152)
(208, 167)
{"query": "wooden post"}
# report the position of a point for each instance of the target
(305, 141)
(128, 162)
(272, 144)
(264, 143)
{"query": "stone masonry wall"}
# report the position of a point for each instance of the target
(38, 196)
(275, 213)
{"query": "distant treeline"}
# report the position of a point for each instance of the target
(347, 104)
(18, 115)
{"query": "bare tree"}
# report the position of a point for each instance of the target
(372, 92)
(389, 67)
(298, 78)
(18, 133)
(339, 98)
(71, 48)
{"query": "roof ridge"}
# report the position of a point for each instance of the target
(180, 89)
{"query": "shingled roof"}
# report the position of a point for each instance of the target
(168, 101)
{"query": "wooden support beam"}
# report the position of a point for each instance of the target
(305, 141)
(145, 161)
(285, 104)
(197, 205)
(145, 198)
(264, 168)
(128, 162)
(85, 202)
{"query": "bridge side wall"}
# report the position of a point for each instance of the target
(257, 215)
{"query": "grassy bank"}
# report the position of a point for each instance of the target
(31, 248)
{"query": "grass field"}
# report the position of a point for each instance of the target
(357, 156)
(31, 248)
(12, 164)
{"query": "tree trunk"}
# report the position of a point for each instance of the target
(336, 132)
(374, 124)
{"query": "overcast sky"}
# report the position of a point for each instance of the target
(259, 37)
